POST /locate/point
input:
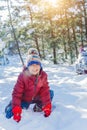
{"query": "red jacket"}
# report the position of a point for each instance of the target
(29, 87)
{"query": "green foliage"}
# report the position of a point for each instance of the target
(44, 26)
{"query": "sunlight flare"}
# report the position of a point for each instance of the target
(53, 2)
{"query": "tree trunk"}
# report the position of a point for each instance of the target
(81, 33)
(43, 48)
(54, 46)
(65, 50)
(74, 36)
(15, 38)
(54, 54)
(68, 37)
(37, 45)
(85, 17)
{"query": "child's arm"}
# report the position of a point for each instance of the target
(18, 91)
(45, 98)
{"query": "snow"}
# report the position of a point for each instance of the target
(69, 103)
(2, 45)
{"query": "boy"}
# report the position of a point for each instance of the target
(31, 87)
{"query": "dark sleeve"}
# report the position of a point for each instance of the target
(45, 92)
(18, 91)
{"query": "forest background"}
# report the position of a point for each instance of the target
(57, 28)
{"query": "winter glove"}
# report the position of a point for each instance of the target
(17, 113)
(47, 110)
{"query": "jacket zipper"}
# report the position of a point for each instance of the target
(35, 85)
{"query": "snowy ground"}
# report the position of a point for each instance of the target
(69, 103)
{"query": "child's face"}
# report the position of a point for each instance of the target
(34, 69)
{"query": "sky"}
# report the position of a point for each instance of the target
(69, 111)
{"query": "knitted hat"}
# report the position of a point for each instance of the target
(33, 51)
(33, 59)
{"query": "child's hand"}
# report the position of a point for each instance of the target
(47, 110)
(17, 113)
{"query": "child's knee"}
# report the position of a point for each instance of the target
(8, 111)
(25, 105)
